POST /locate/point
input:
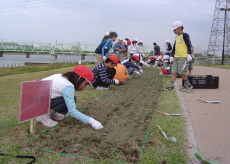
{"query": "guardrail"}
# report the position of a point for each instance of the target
(39, 47)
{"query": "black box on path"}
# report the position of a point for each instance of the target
(203, 81)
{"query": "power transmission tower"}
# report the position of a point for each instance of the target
(219, 41)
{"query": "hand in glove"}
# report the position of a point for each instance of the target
(189, 58)
(95, 124)
(171, 59)
(116, 81)
(104, 58)
(141, 71)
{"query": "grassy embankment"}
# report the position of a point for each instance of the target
(214, 66)
(158, 150)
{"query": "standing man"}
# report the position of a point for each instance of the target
(103, 49)
(156, 49)
(181, 52)
(119, 49)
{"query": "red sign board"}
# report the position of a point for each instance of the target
(35, 99)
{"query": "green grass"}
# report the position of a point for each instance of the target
(162, 150)
(10, 131)
(28, 69)
(158, 150)
(214, 66)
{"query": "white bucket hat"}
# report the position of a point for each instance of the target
(120, 38)
(167, 41)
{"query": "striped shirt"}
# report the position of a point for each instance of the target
(100, 70)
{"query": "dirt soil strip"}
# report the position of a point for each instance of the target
(211, 121)
(125, 114)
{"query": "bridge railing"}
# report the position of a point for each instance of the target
(25, 47)
(59, 48)
(75, 48)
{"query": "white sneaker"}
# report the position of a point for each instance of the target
(57, 116)
(99, 88)
(136, 73)
(46, 120)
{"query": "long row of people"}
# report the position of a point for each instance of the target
(113, 69)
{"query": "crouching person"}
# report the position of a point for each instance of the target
(104, 73)
(130, 64)
(63, 99)
(121, 73)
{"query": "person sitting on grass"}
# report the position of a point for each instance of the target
(130, 64)
(63, 100)
(104, 73)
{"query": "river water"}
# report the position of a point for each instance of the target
(16, 60)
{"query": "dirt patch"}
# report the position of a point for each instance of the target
(125, 114)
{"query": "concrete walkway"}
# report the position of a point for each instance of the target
(211, 122)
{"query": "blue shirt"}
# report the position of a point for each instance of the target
(104, 47)
(130, 64)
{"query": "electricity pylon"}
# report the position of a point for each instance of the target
(219, 41)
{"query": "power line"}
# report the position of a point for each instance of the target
(26, 3)
(47, 3)
(10, 4)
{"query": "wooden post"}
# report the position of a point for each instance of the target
(27, 54)
(54, 57)
(33, 126)
(82, 56)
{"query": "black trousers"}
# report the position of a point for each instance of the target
(98, 82)
(59, 105)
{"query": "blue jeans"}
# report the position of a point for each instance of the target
(130, 70)
(107, 54)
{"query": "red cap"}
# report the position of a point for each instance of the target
(84, 72)
(136, 57)
(114, 59)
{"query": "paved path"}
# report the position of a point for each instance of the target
(211, 122)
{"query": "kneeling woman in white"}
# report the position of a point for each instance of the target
(63, 99)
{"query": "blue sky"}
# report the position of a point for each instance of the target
(86, 21)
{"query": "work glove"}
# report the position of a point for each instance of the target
(189, 58)
(165, 61)
(171, 59)
(104, 58)
(95, 124)
(141, 71)
(116, 81)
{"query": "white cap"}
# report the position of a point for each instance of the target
(135, 39)
(167, 41)
(120, 38)
(141, 41)
(106, 33)
(165, 57)
(176, 24)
